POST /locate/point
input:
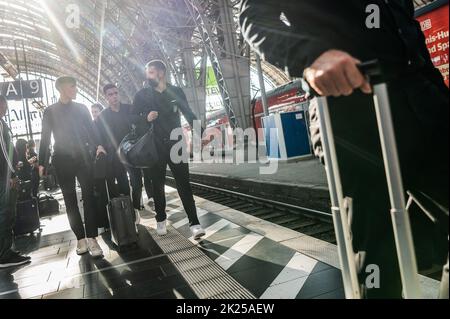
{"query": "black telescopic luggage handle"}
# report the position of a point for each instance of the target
(370, 68)
(373, 70)
(341, 205)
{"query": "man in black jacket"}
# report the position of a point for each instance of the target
(8, 194)
(114, 123)
(74, 152)
(160, 104)
(323, 41)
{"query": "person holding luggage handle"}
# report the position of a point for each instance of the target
(323, 41)
(113, 125)
(9, 184)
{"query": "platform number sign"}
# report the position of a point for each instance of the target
(25, 90)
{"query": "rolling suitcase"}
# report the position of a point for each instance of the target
(342, 207)
(27, 217)
(122, 220)
(25, 190)
(48, 205)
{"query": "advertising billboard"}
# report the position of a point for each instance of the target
(435, 25)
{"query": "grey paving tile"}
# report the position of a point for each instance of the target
(336, 294)
(176, 293)
(144, 289)
(265, 252)
(227, 233)
(73, 293)
(320, 266)
(31, 281)
(96, 288)
(321, 283)
(258, 279)
(169, 270)
(37, 290)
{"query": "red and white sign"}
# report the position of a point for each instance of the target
(435, 26)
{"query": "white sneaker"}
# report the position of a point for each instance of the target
(94, 247)
(161, 228)
(197, 231)
(82, 247)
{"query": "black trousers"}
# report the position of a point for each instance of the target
(420, 114)
(67, 169)
(117, 177)
(180, 172)
(118, 185)
(136, 175)
(101, 200)
(35, 178)
(8, 200)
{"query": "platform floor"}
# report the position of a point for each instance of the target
(306, 172)
(259, 258)
(253, 255)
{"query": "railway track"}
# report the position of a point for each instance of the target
(310, 222)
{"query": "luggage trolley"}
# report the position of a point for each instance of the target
(341, 206)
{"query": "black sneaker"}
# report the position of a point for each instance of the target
(13, 260)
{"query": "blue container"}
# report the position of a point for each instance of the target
(290, 139)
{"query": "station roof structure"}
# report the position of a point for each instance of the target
(58, 40)
(135, 31)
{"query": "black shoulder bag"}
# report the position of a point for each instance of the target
(139, 151)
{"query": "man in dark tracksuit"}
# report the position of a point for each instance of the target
(114, 124)
(323, 41)
(74, 151)
(8, 194)
(160, 105)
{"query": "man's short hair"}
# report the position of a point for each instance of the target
(109, 87)
(65, 80)
(3, 100)
(157, 64)
(98, 106)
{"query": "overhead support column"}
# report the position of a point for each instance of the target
(195, 90)
(231, 70)
(100, 52)
(237, 67)
(262, 85)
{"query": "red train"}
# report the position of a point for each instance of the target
(286, 98)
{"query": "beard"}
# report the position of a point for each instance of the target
(153, 83)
